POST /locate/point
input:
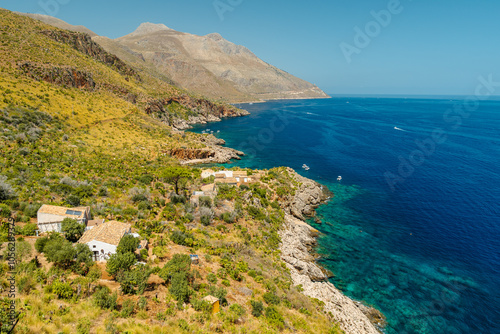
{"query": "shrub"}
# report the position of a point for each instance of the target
(229, 217)
(103, 191)
(60, 251)
(178, 263)
(128, 244)
(25, 284)
(127, 308)
(176, 199)
(201, 305)
(145, 179)
(181, 238)
(143, 254)
(134, 281)
(271, 298)
(205, 201)
(83, 326)
(144, 205)
(212, 278)
(180, 287)
(6, 191)
(5, 211)
(73, 200)
(31, 210)
(62, 290)
(142, 303)
(120, 261)
(104, 299)
(29, 229)
(72, 229)
(257, 308)
(274, 317)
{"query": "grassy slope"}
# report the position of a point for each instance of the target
(107, 147)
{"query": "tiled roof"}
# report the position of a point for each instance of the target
(110, 233)
(228, 180)
(95, 222)
(211, 299)
(62, 211)
(243, 173)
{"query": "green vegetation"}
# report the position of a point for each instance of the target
(66, 145)
(72, 229)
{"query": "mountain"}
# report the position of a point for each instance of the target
(53, 21)
(207, 65)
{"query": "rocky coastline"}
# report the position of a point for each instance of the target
(298, 240)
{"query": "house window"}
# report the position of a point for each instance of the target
(93, 246)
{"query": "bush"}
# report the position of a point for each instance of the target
(145, 179)
(62, 290)
(72, 229)
(178, 263)
(127, 308)
(60, 251)
(25, 284)
(104, 299)
(257, 308)
(274, 317)
(5, 211)
(128, 244)
(180, 287)
(73, 200)
(6, 191)
(134, 281)
(176, 199)
(143, 254)
(205, 201)
(29, 229)
(144, 205)
(271, 298)
(120, 262)
(201, 305)
(212, 278)
(142, 303)
(181, 238)
(83, 326)
(236, 311)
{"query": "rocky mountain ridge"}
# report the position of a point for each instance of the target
(207, 65)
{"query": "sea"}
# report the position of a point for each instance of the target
(413, 226)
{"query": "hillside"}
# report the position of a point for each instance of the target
(80, 127)
(208, 65)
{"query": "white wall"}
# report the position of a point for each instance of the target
(49, 227)
(99, 246)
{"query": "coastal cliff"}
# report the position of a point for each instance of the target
(298, 240)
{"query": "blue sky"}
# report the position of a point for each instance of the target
(428, 47)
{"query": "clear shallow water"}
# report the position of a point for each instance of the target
(426, 251)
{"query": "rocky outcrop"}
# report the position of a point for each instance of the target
(198, 111)
(298, 240)
(58, 75)
(84, 44)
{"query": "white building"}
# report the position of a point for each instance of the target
(104, 238)
(49, 217)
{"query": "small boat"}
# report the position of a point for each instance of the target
(306, 167)
(339, 178)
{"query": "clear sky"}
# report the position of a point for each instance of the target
(425, 47)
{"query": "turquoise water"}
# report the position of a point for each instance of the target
(413, 228)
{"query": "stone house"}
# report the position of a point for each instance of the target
(49, 217)
(103, 239)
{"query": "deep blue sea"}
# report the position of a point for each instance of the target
(414, 226)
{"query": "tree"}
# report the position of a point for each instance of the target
(83, 254)
(60, 251)
(134, 281)
(180, 287)
(128, 244)
(177, 176)
(120, 261)
(6, 191)
(178, 263)
(72, 229)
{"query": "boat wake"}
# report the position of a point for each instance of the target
(399, 129)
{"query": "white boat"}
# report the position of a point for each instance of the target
(339, 178)
(306, 167)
